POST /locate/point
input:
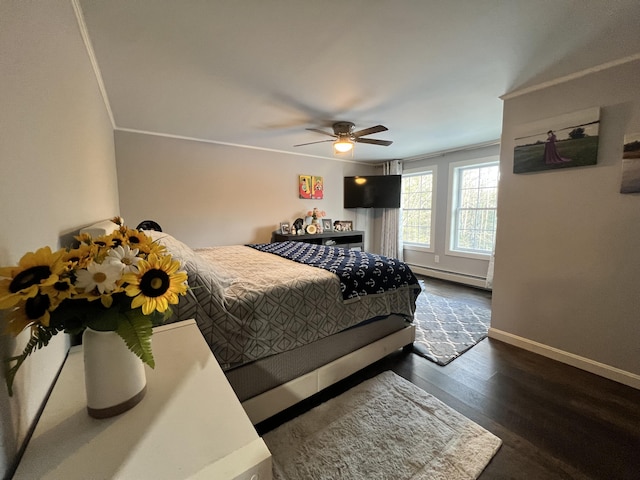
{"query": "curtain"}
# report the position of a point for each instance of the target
(391, 238)
(489, 281)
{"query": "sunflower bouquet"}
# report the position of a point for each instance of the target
(122, 282)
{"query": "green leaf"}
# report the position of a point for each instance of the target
(136, 329)
(40, 337)
(104, 319)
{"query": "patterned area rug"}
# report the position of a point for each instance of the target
(446, 328)
(384, 428)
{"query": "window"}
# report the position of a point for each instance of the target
(474, 196)
(417, 208)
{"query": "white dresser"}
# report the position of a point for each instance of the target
(190, 424)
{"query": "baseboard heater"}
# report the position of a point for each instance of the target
(472, 280)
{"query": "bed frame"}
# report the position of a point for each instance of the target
(277, 399)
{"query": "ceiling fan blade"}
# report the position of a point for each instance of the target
(369, 131)
(321, 131)
(373, 141)
(311, 143)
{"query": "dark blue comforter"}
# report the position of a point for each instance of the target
(360, 273)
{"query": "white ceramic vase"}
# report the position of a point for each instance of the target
(114, 376)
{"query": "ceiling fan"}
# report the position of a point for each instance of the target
(345, 137)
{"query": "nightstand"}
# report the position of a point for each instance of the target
(189, 425)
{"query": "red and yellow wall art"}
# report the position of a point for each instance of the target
(310, 187)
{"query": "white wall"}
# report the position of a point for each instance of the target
(567, 268)
(57, 171)
(208, 194)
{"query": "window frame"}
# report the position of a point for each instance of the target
(421, 247)
(493, 160)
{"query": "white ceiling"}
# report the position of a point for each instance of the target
(257, 73)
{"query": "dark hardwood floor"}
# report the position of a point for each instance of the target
(555, 421)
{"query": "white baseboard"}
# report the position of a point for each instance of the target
(450, 276)
(601, 369)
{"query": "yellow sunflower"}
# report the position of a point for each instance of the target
(81, 256)
(104, 241)
(83, 238)
(156, 284)
(35, 270)
(59, 291)
(137, 239)
(98, 246)
(117, 239)
(33, 310)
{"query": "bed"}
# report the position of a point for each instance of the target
(283, 330)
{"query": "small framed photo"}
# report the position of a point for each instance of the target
(327, 225)
(343, 226)
(285, 228)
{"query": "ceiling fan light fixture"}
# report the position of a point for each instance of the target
(342, 145)
(345, 137)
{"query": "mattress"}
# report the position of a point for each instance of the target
(257, 377)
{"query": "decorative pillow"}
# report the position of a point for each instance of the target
(105, 227)
(149, 225)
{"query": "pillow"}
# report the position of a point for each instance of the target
(149, 225)
(204, 278)
(105, 227)
(177, 249)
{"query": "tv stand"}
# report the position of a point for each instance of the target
(353, 239)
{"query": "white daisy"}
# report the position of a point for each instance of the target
(102, 276)
(125, 255)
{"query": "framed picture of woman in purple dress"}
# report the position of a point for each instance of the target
(631, 164)
(569, 140)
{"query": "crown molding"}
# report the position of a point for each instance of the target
(227, 144)
(571, 76)
(442, 153)
(92, 58)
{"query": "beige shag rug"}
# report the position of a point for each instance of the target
(384, 428)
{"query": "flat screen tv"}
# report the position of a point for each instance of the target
(372, 191)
